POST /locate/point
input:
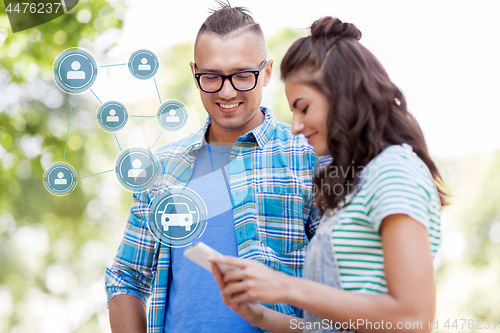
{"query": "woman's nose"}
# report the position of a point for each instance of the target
(297, 125)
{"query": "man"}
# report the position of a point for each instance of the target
(254, 176)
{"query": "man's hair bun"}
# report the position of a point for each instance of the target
(333, 27)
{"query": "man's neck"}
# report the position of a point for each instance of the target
(223, 136)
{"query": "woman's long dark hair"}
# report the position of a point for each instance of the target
(366, 112)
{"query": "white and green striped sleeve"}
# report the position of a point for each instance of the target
(402, 184)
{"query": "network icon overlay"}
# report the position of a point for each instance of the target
(178, 215)
(75, 71)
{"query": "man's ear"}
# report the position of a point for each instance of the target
(268, 71)
(193, 71)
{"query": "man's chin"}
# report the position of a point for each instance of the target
(229, 124)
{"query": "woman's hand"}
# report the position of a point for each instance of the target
(261, 281)
(252, 281)
(250, 311)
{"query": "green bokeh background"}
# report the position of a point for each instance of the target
(53, 250)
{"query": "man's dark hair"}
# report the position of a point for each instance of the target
(226, 20)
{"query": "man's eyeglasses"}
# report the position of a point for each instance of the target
(241, 81)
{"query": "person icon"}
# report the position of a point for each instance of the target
(136, 172)
(75, 74)
(172, 115)
(60, 180)
(112, 118)
(144, 67)
(172, 118)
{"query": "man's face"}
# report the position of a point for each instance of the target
(231, 109)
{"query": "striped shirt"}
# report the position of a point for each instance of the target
(394, 182)
(270, 179)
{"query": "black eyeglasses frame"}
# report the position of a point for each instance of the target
(230, 78)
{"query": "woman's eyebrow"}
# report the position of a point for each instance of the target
(295, 103)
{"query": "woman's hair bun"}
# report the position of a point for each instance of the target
(333, 27)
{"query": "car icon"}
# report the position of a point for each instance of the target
(177, 214)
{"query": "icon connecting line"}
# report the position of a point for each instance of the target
(95, 174)
(156, 140)
(157, 91)
(114, 65)
(118, 142)
(75, 71)
(96, 96)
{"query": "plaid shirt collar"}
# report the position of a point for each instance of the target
(262, 134)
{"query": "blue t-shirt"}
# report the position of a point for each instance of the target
(194, 302)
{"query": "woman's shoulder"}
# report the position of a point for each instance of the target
(398, 164)
(397, 181)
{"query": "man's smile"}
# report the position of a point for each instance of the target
(228, 108)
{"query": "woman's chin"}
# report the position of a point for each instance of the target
(320, 150)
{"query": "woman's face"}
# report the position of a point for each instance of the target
(310, 110)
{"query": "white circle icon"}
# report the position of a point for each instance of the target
(137, 164)
(75, 65)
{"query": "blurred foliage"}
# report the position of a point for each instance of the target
(481, 225)
(42, 44)
(467, 279)
(276, 49)
(45, 240)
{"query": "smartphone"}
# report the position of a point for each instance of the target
(200, 252)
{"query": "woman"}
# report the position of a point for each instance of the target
(369, 266)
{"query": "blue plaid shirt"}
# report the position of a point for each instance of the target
(271, 174)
